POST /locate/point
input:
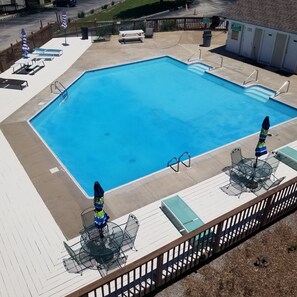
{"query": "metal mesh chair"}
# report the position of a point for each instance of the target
(272, 182)
(130, 233)
(87, 217)
(119, 259)
(80, 260)
(236, 156)
(272, 161)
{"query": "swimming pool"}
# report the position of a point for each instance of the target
(125, 122)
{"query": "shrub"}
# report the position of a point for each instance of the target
(81, 14)
(92, 11)
(168, 25)
(104, 6)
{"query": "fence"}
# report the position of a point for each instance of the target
(14, 52)
(37, 39)
(158, 24)
(191, 251)
(10, 8)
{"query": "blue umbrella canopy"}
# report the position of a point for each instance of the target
(64, 20)
(98, 196)
(25, 47)
(98, 191)
(261, 146)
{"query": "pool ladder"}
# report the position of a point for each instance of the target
(61, 89)
(176, 161)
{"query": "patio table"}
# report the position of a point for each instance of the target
(103, 248)
(254, 174)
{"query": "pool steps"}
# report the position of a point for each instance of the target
(258, 92)
(198, 68)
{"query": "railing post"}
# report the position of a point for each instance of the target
(218, 237)
(266, 211)
(159, 271)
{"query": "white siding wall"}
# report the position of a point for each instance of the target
(267, 45)
(245, 41)
(233, 45)
(290, 59)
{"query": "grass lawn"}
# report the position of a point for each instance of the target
(131, 9)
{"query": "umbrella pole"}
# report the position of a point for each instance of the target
(65, 37)
(255, 165)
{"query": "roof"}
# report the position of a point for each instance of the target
(276, 14)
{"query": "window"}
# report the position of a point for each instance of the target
(234, 35)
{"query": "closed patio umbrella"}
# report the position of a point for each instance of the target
(98, 195)
(25, 47)
(64, 24)
(261, 146)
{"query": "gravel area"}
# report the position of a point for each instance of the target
(263, 266)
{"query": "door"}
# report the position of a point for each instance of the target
(267, 46)
(256, 44)
(290, 60)
(279, 50)
(247, 42)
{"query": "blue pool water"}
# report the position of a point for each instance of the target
(122, 123)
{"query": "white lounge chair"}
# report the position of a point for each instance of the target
(52, 51)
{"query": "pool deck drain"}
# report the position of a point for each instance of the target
(63, 196)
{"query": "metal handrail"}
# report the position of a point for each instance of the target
(60, 87)
(257, 74)
(199, 58)
(189, 159)
(283, 85)
(221, 64)
(170, 164)
(222, 60)
(57, 82)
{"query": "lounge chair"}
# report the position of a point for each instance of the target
(35, 67)
(149, 33)
(45, 56)
(288, 155)
(55, 52)
(7, 83)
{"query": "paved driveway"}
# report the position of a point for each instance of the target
(10, 27)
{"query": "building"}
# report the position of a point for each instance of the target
(264, 31)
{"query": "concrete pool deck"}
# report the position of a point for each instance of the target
(41, 209)
(58, 191)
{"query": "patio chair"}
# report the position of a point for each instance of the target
(130, 232)
(119, 259)
(236, 156)
(268, 184)
(87, 217)
(272, 161)
(79, 260)
(272, 182)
